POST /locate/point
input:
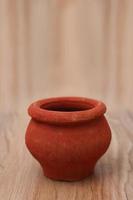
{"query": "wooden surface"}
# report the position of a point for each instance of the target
(21, 177)
(58, 48)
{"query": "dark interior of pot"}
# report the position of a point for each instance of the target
(66, 106)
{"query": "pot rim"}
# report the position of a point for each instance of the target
(39, 111)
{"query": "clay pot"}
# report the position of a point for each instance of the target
(67, 135)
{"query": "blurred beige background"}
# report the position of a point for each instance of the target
(58, 48)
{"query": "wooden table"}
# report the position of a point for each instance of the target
(21, 177)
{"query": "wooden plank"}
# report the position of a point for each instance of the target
(21, 176)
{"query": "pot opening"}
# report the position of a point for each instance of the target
(66, 106)
(66, 110)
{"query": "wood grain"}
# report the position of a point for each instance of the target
(21, 176)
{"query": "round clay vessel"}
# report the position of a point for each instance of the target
(67, 135)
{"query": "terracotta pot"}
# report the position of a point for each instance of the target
(67, 135)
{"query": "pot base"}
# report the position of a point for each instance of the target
(70, 178)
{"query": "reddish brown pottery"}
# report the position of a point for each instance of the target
(67, 135)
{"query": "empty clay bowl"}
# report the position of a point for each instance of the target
(67, 135)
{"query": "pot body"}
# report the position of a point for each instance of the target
(68, 151)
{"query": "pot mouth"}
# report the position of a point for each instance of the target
(66, 110)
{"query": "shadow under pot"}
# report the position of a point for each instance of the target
(67, 135)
